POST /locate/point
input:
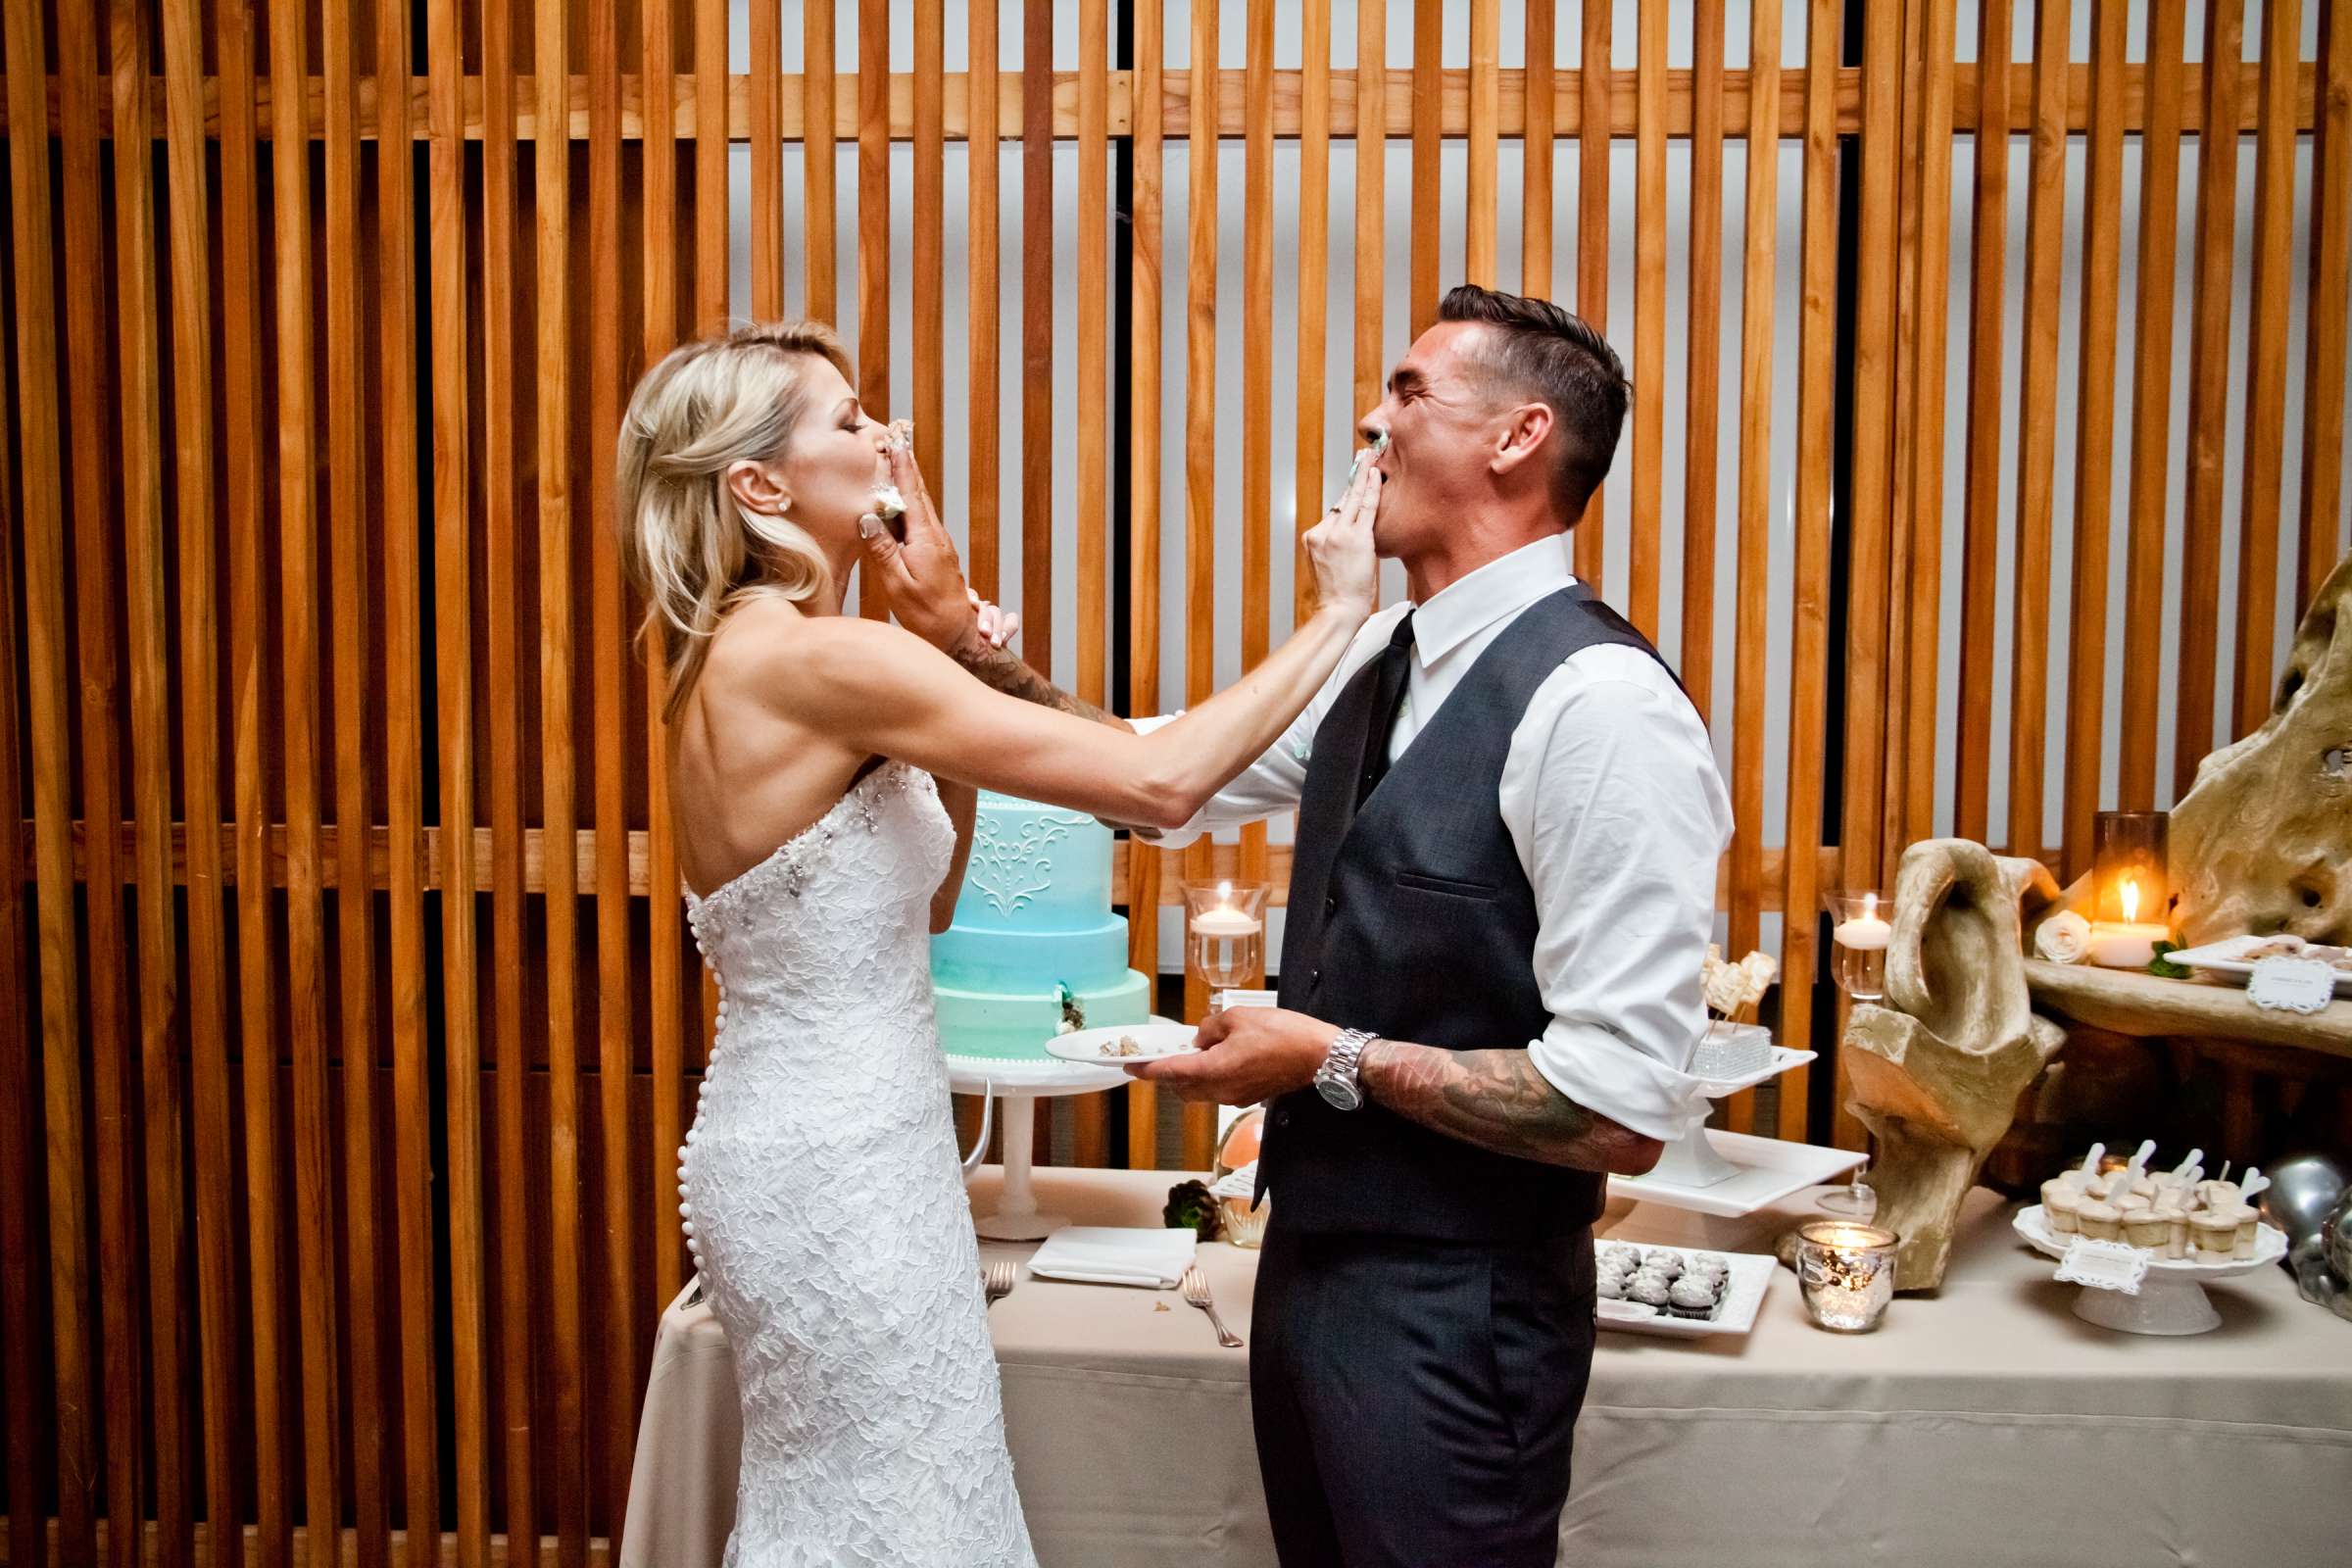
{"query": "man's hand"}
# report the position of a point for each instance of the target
(920, 573)
(1246, 1054)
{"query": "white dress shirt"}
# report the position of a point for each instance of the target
(1610, 794)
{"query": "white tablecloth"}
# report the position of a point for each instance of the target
(1984, 1425)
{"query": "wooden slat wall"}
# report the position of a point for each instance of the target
(239, 923)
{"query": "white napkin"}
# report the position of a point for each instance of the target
(1105, 1254)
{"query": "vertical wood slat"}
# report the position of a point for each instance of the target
(765, 29)
(1650, 209)
(2265, 413)
(1924, 523)
(2151, 401)
(1908, 115)
(981, 310)
(1870, 595)
(553, 390)
(1037, 333)
(206, 1005)
(711, 238)
(1089, 1125)
(1592, 234)
(1258, 444)
(1315, 266)
(98, 665)
(2326, 329)
(1486, 116)
(1144, 863)
(252, 679)
(1982, 508)
(2037, 452)
(624, 1300)
(873, 231)
(1201, 447)
(1755, 498)
(403, 767)
(1371, 200)
(453, 597)
(19, 1126)
(665, 912)
(1537, 115)
(2094, 435)
(1428, 105)
(2215, 294)
(48, 657)
(820, 193)
(353, 639)
(1816, 409)
(1703, 375)
(929, 218)
(501, 615)
(139, 357)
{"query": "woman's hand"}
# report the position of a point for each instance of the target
(1340, 548)
(920, 573)
(998, 626)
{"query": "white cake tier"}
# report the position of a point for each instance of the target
(1016, 1025)
(1018, 961)
(1034, 868)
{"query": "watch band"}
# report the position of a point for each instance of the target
(1337, 1078)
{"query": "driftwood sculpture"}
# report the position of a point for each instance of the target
(2264, 840)
(1937, 1071)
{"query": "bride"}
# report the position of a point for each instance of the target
(822, 770)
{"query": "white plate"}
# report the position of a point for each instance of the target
(2224, 957)
(2269, 1246)
(1160, 1041)
(1743, 1296)
(1769, 1170)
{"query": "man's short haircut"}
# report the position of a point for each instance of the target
(1536, 351)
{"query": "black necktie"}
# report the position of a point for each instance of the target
(1388, 696)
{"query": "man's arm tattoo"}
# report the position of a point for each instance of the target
(1498, 1101)
(1009, 673)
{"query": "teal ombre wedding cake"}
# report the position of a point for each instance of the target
(1034, 940)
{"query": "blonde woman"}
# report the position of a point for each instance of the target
(822, 770)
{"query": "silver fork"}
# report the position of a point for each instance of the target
(998, 1279)
(1195, 1292)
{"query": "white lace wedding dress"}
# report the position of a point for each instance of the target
(824, 1205)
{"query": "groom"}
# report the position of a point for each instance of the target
(1502, 887)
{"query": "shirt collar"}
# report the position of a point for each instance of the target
(1502, 588)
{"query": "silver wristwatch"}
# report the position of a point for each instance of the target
(1335, 1079)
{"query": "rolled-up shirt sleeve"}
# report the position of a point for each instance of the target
(1611, 794)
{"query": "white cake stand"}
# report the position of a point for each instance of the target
(2171, 1299)
(1728, 1174)
(1017, 1086)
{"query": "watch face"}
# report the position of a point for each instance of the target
(1340, 1095)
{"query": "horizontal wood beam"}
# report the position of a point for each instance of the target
(640, 853)
(1233, 104)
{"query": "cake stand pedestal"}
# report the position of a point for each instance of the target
(1732, 1174)
(2171, 1298)
(1017, 1085)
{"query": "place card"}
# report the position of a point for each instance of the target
(2104, 1265)
(2291, 984)
(1219, 1000)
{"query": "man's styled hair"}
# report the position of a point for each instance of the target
(1539, 351)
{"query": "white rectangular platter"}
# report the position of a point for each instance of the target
(2227, 957)
(1750, 1277)
(1769, 1171)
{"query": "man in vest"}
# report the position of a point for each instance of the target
(1503, 883)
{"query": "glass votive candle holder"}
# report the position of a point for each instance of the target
(1847, 1273)
(1225, 931)
(1858, 936)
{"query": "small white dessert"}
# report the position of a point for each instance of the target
(889, 504)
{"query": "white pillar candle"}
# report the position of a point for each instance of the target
(1225, 920)
(1865, 931)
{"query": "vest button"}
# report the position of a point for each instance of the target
(1331, 905)
(1282, 1118)
(1315, 977)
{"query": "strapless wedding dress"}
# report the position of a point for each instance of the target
(823, 1201)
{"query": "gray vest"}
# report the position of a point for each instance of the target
(1413, 918)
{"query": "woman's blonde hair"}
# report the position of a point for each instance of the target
(686, 543)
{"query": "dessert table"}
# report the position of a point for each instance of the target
(1980, 1426)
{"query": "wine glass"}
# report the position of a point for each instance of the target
(1855, 1200)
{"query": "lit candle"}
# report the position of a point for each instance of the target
(1865, 931)
(1225, 920)
(1847, 1274)
(2127, 944)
